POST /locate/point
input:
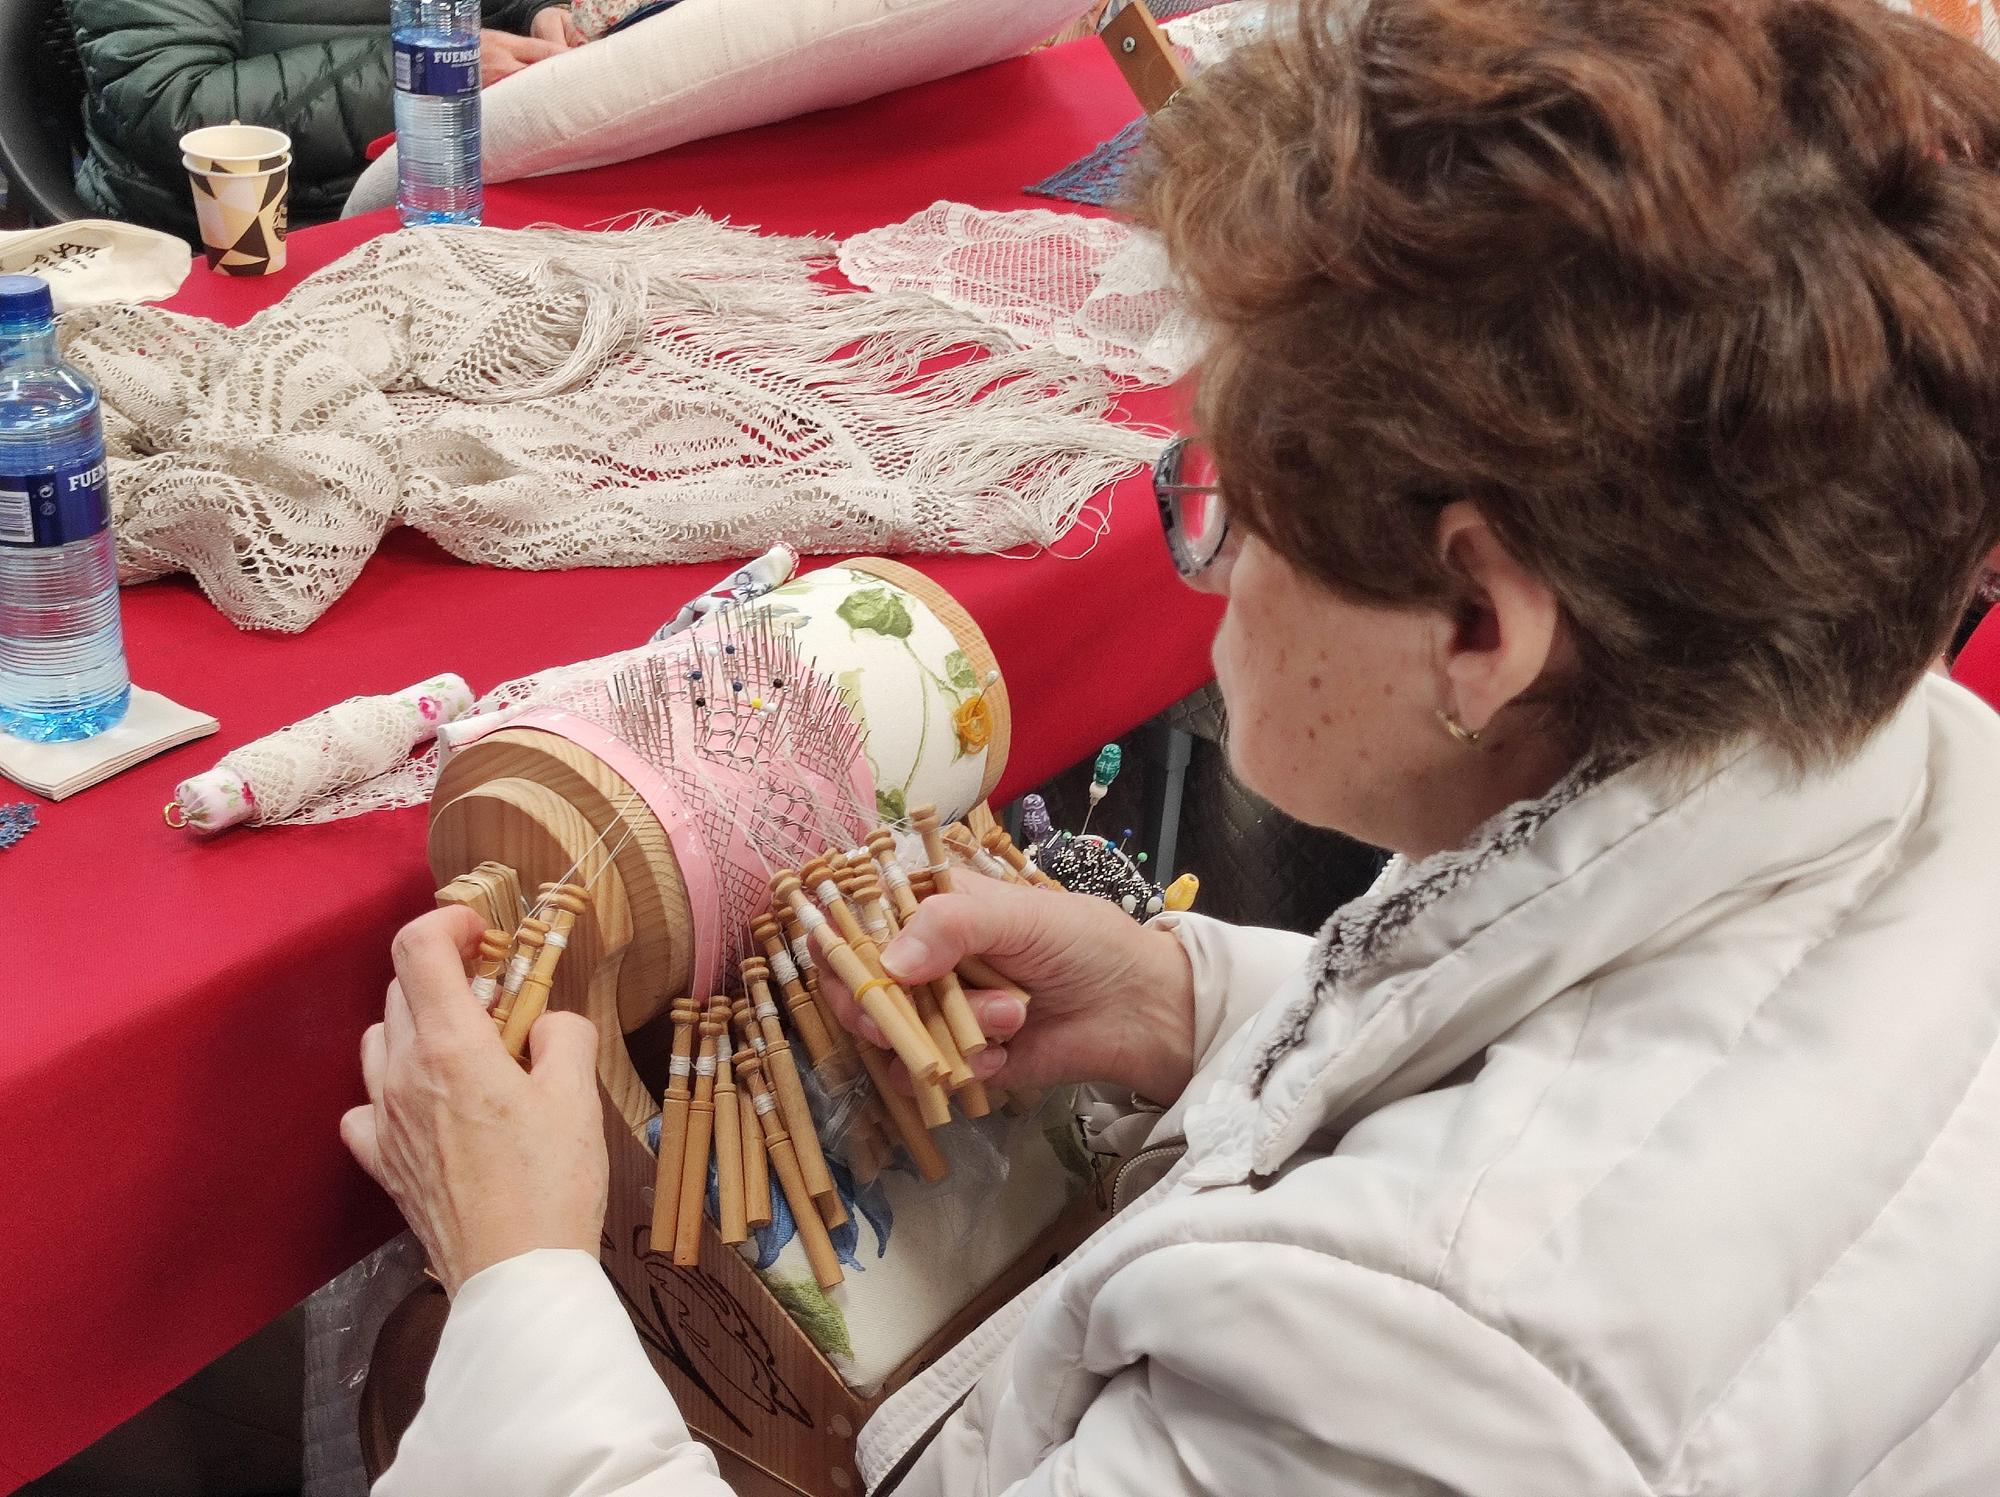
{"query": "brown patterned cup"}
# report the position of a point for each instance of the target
(243, 219)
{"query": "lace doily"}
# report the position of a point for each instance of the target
(1092, 289)
(678, 391)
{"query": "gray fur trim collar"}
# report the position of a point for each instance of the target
(1360, 934)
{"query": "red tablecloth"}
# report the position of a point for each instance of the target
(181, 1015)
(1978, 664)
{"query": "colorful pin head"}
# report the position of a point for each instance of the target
(1035, 823)
(1110, 759)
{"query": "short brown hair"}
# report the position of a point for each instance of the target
(1698, 300)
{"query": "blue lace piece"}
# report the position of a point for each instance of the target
(1098, 178)
(16, 821)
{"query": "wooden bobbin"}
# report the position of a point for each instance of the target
(807, 1020)
(869, 987)
(997, 842)
(864, 895)
(962, 842)
(757, 1015)
(830, 1052)
(889, 907)
(491, 891)
(933, 1095)
(866, 1153)
(564, 903)
(700, 1140)
(906, 1122)
(785, 1164)
(733, 1225)
(870, 933)
(974, 970)
(756, 1164)
(673, 1127)
(799, 945)
(965, 1031)
(494, 947)
(527, 948)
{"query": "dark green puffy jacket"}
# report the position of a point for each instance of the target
(316, 69)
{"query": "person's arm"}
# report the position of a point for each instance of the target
(517, 16)
(1236, 970)
(170, 66)
(1279, 1368)
(541, 1389)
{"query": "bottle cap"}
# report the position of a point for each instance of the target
(25, 302)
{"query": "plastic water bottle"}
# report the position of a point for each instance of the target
(62, 656)
(436, 45)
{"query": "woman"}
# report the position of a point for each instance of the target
(319, 72)
(1606, 401)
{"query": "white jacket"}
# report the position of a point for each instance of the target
(1650, 1145)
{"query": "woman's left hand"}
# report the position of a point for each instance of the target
(486, 1160)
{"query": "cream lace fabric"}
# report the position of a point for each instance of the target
(677, 391)
(411, 778)
(324, 767)
(1094, 289)
(1208, 36)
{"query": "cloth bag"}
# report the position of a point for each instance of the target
(89, 262)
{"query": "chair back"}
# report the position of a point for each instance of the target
(41, 110)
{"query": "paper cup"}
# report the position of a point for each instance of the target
(236, 149)
(201, 164)
(243, 219)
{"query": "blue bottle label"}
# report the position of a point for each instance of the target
(449, 72)
(53, 509)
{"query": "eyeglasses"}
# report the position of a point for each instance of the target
(1187, 488)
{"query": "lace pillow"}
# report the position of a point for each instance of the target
(707, 67)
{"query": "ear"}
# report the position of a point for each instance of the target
(1504, 632)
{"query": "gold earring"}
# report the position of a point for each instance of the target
(1467, 736)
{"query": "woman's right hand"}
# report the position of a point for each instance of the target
(1110, 1000)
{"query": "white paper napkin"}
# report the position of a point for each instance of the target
(152, 725)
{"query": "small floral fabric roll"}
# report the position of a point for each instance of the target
(284, 776)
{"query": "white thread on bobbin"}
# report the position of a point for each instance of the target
(828, 892)
(802, 954)
(767, 1010)
(783, 967)
(810, 918)
(766, 1102)
(893, 872)
(705, 1066)
(483, 988)
(517, 970)
(556, 940)
(680, 1065)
